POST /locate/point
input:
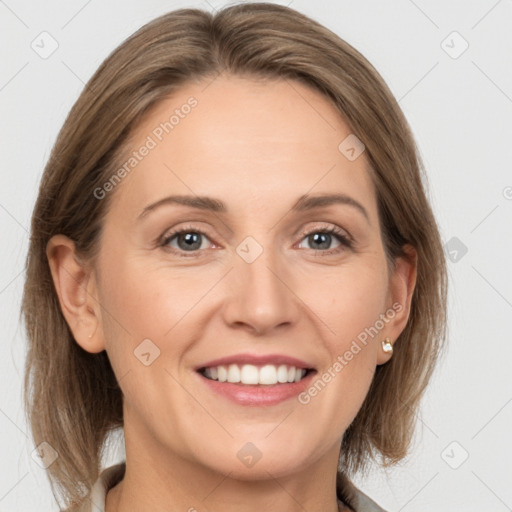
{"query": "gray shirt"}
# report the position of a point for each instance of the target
(109, 477)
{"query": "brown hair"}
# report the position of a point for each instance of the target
(72, 396)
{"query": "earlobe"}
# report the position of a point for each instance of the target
(402, 283)
(75, 287)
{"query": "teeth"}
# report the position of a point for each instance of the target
(233, 373)
(282, 374)
(222, 374)
(249, 374)
(268, 374)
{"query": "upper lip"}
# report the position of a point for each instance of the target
(257, 360)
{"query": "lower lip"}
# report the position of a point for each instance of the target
(260, 395)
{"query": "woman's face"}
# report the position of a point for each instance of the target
(256, 277)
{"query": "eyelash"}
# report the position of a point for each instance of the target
(344, 240)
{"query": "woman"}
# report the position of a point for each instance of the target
(174, 287)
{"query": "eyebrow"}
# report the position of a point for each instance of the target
(304, 203)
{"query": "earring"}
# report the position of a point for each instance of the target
(90, 335)
(387, 346)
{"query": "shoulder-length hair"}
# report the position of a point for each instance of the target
(72, 396)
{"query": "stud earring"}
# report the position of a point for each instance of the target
(90, 335)
(387, 346)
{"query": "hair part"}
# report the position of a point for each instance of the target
(72, 397)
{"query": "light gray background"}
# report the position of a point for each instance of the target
(460, 110)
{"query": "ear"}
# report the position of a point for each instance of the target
(402, 282)
(76, 289)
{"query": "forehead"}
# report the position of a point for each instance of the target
(251, 142)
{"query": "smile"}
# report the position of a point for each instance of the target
(249, 374)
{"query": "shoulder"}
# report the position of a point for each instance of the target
(354, 498)
(95, 500)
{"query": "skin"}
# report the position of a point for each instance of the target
(257, 146)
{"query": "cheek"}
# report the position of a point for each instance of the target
(350, 307)
(143, 301)
(350, 299)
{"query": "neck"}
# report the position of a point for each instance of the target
(120, 498)
(159, 481)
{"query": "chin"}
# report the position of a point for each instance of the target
(259, 472)
(250, 463)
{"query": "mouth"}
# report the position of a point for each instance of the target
(256, 379)
(256, 375)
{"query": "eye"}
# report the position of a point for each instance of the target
(186, 239)
(189, 241)
(322, 239)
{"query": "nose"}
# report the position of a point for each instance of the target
(260, 297)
